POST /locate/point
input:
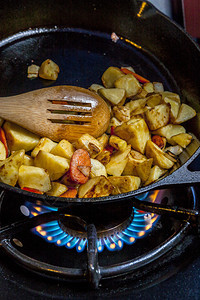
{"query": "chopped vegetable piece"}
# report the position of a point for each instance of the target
(3, 140)
(80, 159)
(138, 77)
(49, 70)
(31, 190)
(158, 140)
(112, 130)
(71, 193)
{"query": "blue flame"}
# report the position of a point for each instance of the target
(141, 224)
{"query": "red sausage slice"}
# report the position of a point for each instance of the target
(80, 166)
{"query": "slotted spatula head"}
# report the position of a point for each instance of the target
(61, 112)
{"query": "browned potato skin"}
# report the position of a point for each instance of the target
(49, 70)
(159, 158)
(158, 116)
(136, 134)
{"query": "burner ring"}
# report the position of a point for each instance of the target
(101, 233)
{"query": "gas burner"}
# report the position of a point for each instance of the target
(110, 227)
(134, 227)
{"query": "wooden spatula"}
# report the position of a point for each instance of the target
(61, 112)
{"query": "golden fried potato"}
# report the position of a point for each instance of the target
(117, 143)
(110, 76)
(19, 138)
(95, 187)
(57, 189)
(186, 113)
(159, 157)
(113, 95)
(148, 87)
(2, 151)
(49, 70)
(28, 160)
(9, 168)
(157, 116)
(134, 158)
(55, 165)
(136, 134)
(156, 173)
(118, 162)
(34, 178)
(182, 139)
(122, 113)
(129, 83)
(90, 144)
(153, 100)
(174, 108)
(169, 130)
(136, 104)
(170, 95)
(44, 144)
(63, 149)
(97, 168)
(143, 169)
(124, 184)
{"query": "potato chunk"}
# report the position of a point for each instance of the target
(143, 169)
(182, 139)
(2, 151)
(44, 144)
(28, 160)
(157, 117)
(97, 168)
(122, 113)
(117, 143)
(136, 134)
(34, 178)
(113, 123)
(134, 158)
(90, 144)
(124, 184)
(104, 157)
(103, 140)
(154, 100)
(174, 108)
(95, 87)
(33, 71)
(55, 165)
(9, 168)
(49, 70)
(129, 83)
(186, 113)
(169, 130)
(136, 104)
(113, 95)
(63, 149)
(110, 76)
(95, 187)
(118, 162)
(57, 189)
(156, 172)
(159, 157)
(19, 138)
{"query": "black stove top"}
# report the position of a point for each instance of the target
(174, 274)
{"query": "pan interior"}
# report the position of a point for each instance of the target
(82, 57)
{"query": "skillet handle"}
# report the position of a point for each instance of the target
(186, 174)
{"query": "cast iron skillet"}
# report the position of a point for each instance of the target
(76, 35)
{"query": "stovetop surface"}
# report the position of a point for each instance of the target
(175, 276)
(181, 280)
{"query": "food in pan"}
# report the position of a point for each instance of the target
(142, 143)
(48, 70)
